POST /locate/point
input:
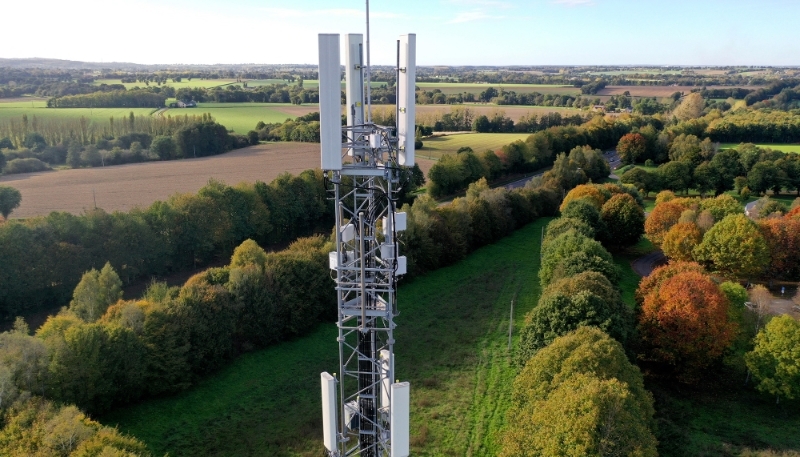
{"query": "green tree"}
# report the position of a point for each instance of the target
(164, 147)
(623, 219)
(775, 359)
(558, 314)
(563, 224)
(248, 253)
(734, 246)
(704, 178)
(586, 211)
(721, 206)
(10, 198)
(642, 179)
(96, 291)
(584, 357)
(727, 166)
(686, 149)
(763, 177)
(561, 247)
(675, 176)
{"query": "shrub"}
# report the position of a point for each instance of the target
(30, 165)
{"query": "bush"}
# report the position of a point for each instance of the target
(25, 166)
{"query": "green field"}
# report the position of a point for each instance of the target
(243, 117)
(308, 83)
(452, 345)
(16, 110)
(436, 147)
(780, 147)
(184, 83)
(475, 88)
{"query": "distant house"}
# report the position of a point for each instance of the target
(599, 108)
(189, 104)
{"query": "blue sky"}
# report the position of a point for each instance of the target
(449, 32)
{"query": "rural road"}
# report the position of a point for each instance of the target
(644, 265)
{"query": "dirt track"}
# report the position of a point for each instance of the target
(122, 187)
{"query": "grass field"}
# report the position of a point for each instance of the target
(780, 147)
(243, 117)
(452, 345)
(436, 147)
(43, 113)
(184, 83)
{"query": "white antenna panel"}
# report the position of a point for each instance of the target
(406, 84)
(330, 102)
(329, 405)
(354, 75)
(386, 380)
(401, 392)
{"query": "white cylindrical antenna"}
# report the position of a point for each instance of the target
(369, 84)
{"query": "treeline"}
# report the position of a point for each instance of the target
(101, 351)
(576, 379)
(698, 165)
(301, 129)
(134, 98)
(756, 126)
(453, 173)
(235, 93)
(202, 137)
(43, 257)
(716, 234)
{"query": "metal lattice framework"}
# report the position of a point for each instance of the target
(366, 264)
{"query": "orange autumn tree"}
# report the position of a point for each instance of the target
(684, 324)
(660, 220)
(587, 191)
(783, 242)
(680, 240)
(653, 281)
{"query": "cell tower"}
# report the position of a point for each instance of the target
(365, 413)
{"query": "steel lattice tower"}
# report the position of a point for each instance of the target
(365, 413)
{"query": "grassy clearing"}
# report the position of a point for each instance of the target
(436, 147)
(243, 117)
(452, 340)
(780, 147)
(184, 83)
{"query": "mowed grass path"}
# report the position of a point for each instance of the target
(436, 147)
(452, 345)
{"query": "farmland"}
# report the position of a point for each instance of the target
(38, 107)
(455, 355)
(243, 117)
(436, 146)
(122, 187)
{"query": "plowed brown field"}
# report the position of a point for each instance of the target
(122, 187)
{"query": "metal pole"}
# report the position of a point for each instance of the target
(369, 88)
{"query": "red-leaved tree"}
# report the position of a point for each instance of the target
(684, 324)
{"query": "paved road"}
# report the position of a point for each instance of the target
(521, 182)
(645, 265)
(610, 156)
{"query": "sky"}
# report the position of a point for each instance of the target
(449, 32)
